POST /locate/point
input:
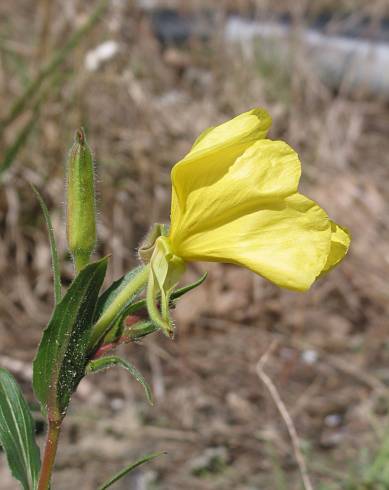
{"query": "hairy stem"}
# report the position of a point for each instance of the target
(80, 261)
(49, 455)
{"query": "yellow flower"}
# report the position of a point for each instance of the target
(235, 199)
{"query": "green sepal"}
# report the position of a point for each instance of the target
(17, 433)
(109, 361)
(185, 289)
(140, 329)
(129, 468)
(141, 304)
(143, 327)
(166, 270)
(62, 355)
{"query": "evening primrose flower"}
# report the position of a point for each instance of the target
(235, 199)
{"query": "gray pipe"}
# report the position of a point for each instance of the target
(356, 64)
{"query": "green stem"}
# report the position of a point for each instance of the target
(117, 305)
(80, 260)
(49, 456)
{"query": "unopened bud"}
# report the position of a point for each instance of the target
(81, 207)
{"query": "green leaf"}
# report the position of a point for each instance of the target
(53, 247)
(61, 359)
(17, 433)
(129, 468)
(109, 361)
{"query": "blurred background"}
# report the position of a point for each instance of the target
(144, 78)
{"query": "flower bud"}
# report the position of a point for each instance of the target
(81, 207)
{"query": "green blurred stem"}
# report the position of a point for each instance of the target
(21, 138)
(49, 455)
(50, 68)
(105, 321)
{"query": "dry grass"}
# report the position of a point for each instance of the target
(142, 109)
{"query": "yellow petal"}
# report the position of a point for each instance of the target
(202, 136)
(175, 211)
(252, 124)
(216, 149)
(286, 241)
(340, 242)
(267, 171)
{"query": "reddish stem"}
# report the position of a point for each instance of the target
(49, 455)
(103, 349)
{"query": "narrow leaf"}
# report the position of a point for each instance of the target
(17, 433)
(129, 468)
(61, 359)
(53, 247)
(109, 361)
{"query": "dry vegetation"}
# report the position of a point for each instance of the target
(142, 109)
